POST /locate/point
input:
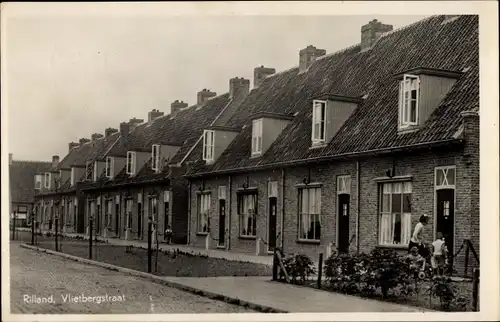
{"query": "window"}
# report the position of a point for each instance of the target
(38, 181)
(344, 185)
(445, 177)
(395, 213)
(109, 167)
(95, 174)
(47, 178)
(310, 214)
(319, 122)
(89, 170)
(409, 89)
(203, 212)
(131, 163)
(155, 158)
(247, 211)
(222, 192)
(272, 188)
(70, 212)
(73, 176)
(257, 137)
(208, 145)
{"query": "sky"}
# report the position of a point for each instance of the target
(68, 76)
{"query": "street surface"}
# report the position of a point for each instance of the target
(78, 288)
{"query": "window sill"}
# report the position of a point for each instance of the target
(401, 246)
(247, 237)
(408, 129)
(201, 234)
(308, 241)
(255, 155)
(318, 145)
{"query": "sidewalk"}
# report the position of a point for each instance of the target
(214, 253)
(286, 297)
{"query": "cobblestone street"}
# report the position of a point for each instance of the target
(37, 275)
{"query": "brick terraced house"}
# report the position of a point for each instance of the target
(348, 150)
(135, 173)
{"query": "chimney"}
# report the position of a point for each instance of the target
(176, 106)
(154, 114)
(109, 131)
(72, 145)
(96, 136)
(307, 56)
(203, 96)
(134, 122)
(10, 158)
(260, 73)
(238, 87)
(124, 128)
(83, 141)
(55, 161)
(371, 32)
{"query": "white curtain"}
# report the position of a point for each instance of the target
(386, 235)
(305, 213)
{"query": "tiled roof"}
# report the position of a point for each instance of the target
(22, 179)
(429, 43)
(102, 146)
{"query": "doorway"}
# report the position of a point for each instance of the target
(343, 212)
(445, 205)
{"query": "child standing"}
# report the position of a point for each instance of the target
(417, 261)
(168, 234)
(438, 259)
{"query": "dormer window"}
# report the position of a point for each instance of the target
(257, 137)
(155, 158)
(208, 145)
(47, 177)
(89, 170)
(73, 176)
(319, 122)
(409, 91)
(94, 171)
(109, 167)
(131, 162)
(38, 181)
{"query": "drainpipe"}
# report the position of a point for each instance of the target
(358, 185)
(282, 208)
(189, 212)
(229, 212)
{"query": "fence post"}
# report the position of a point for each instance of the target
(57, 229)
(320, 269)
(149, 245)
(275, 266)
(475, 288)
(33, 229)
(466, 264)
(90, 237)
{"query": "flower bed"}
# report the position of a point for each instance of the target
(170, 263)
(383, 275)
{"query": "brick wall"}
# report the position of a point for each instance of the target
(420, 167)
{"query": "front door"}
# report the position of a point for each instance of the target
(139, 220)
(445, 199)
(222, 222)
(343, 222)
(98, 221)
(117, 219)
(273, 202)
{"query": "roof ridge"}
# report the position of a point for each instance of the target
(32, 161)
(406, 27)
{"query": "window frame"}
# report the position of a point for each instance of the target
(109, 167)
(131, 162)
(155, 157)
(73, 176)
(321, 123)
(257, 129)
(89, 166)
(46, 180)
(392, 213)
(408, 84)
(241, 215)
(208, 145)
(301, 214)
(94, 171)
(203, 200)
(39, 181)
